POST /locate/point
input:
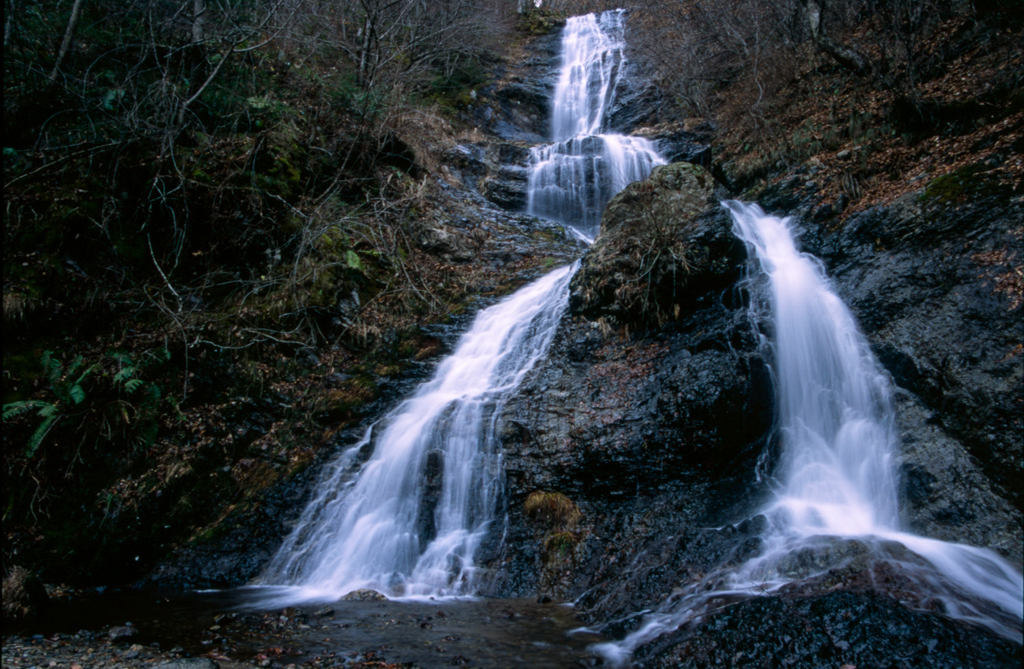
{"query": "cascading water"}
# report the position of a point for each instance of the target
(571, 180)
(390, 525)
(386, 529)
(835, 481)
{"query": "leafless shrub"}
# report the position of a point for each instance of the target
(697, 46)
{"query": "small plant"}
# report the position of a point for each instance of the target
(95, 398)
(558, 546)
(552, 508)
(68, 392)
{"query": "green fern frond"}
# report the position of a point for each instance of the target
(75, 365)
(76, 393)
(40, 434)
(48, 410)
(17, 408)
(88, 370)
(51, 367)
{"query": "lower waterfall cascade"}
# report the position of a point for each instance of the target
(836, 476)
(379, 530)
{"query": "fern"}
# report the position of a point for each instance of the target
(51, 417)
(17, 408)
(81, 400)
(51, 367)
(76, 394)
(47, 411)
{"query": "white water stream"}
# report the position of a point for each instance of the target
(572, 179)
(384, 529)
(836, 477)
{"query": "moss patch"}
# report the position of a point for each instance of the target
(971, 182)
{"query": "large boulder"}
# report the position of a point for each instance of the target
(663, 243)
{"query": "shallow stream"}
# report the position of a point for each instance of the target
(224, 625)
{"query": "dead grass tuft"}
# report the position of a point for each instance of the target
(553, 509)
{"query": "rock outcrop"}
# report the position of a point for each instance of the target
(656, 252)
(647, 416)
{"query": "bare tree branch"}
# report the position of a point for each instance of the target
(846, 56)
(69, 34)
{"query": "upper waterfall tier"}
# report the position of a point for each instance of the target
(572, 179)
(592, 60)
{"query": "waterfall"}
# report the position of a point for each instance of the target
(835, 481)
(409, 521)
(572, 179)
(837, 474)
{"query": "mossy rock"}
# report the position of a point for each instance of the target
(552, 509)
(650, 248)
(972, 182)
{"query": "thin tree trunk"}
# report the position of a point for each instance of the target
(69, 34)
(364, 53)
(846, 56)
(8, 22)
(198, 21)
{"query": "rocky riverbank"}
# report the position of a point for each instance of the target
(209, 631)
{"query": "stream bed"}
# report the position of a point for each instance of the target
(229, 627)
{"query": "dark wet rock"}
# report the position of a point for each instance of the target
(676, 144)
(836, 629)
(324, 611)
(636, 102)
(663, 563)
(517, 107)
(243, 545)
(507, 187)
(946, 493)
(650, 431)
(364, 595)
(433, 481)
(121, 633)
(498, 171)
(296, 615)
(189, 663)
